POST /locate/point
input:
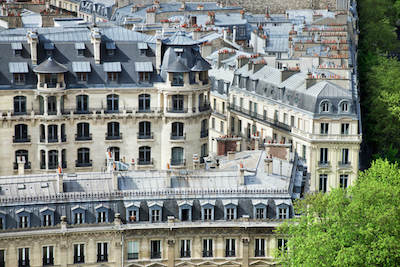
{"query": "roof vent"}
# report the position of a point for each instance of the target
(21, 186)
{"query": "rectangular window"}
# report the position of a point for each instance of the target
(23, 221)
(155, 215)
(47, 220)
(323, 155)
(82, 76)
(282, 244)
(264, 115)
(19, 78)
(292, 121)
(230, 250)
(230, 213)
(345, 156)
(304, 152)
(2, 258)
(177, 103)
(285, 118)
(223, 107)
(155, 246)
(221, 126)
(185, 248)
(260, 213)
(101, 217)
(102, 252)
(112, 76)
(48, 255)
(207, 248)
(240, 126)
(133, 216)
(215, 104)
(232, 124)
(344, 178)
(324, 128)
(213, 123)
(208, 214)
(177, 79)
(323, 181)
(259, 248)
(133, 250)
(283, 213)
(23, 257)
(79, 253)
(78, 218)
(345, 128)
(144, 76)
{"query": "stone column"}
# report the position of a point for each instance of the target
(45, 106)
(46, 133)
(190, 103)
(63, 258)
(245, 251)
(196, 102)
(47, 159)
(144, 249)
(220, 247)
(159, 101)
(197, 247)
(59, 133)
(59, 157)
(171, 252)
(91, 251)
(35, 255)
(12, 255)
(165, 102)
(58, 103)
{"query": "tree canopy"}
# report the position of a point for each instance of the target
(358, 226)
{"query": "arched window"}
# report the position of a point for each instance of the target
(144, 130)
(144, 103)
(204, 128)
(83, 131)
(83, 157)
(204, 150)
(113, 131)
(53, 159)
(19, 104)
(42, 133)
(177, 156)
(145, 155)
(82, 104)
(24, 155)
(114, 152)
(344, 106)
(112, 103)
(325, 106)
(21, 133)
(177, 131)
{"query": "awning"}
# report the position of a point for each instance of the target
(79, 46)
(18, 67)
(144, 66)
(112, 67)
(81, 66)
(110, 45)
(48, 46)
(16, 46)
(142, 46)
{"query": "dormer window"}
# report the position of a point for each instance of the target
(144, 69)
(155, 211)
(80, 48)
(282, 208)
(143, 47)
(101, 214)
(260, 209)
(78, 214)
(18, 70)
(178, 51)
(344, 106)
(230, 207)
(23, 218)
(132, 212)
(47, 216)
(112, 69)
(49, 47)
(110, 47)
(17, 48)
(177, 79)
(325, 106)
(82, 70)
(185, 210)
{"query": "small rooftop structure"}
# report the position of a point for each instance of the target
(50, 66)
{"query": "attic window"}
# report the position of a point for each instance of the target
(110, 47)
(80, 47)
(17, 48)
(144, 69)
(49, 47)
(178, 51)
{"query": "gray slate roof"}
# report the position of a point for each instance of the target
(50, 66)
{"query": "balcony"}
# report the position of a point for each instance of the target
(133, 256)
(259, 253)
(22, 139)
(52, 140)
(23, 263)
(79, 259)
(344, 164)
(48, 261)
(111, 111)
(230, 253)
(259, 117)
(19, 113)
(27, 165)
(175, 110)
(144, 110)
(207, 254)
(110, 136)
(83, 164)
(205, 107)
(83, 137)
(204, 133)
(324, 164)
(144, 136)
(81, 111)
(144, 162)
(52, 85)
(185, 254)
(52, 166)
(178, 162)
(102, 258)
(155, 255)
(178, 137)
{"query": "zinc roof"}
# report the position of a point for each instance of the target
(81, 66)
(18, 67)
(112, 67)
(144, 66)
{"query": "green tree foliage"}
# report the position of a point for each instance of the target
(354, 227)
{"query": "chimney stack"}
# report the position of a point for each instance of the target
(158, 53)
(60, 182)
(21, 165)
(33, 40)
(241, 174)
(117, 219)
(96, 41)
(115, 180)
(234, 34)
(168, 178)
(268, 165)
(310, 80)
